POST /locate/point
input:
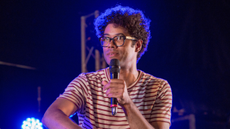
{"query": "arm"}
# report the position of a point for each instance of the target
(137, 121)
(57, 115)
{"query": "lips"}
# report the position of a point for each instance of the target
(111, 53)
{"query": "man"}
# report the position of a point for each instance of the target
(144, 101)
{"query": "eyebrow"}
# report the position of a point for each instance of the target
(115, 34)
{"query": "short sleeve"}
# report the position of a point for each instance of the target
(161, 110)
(76, 91)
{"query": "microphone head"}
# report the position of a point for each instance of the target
(114, 62)
(114, 66)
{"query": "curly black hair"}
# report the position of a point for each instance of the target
(132, 20)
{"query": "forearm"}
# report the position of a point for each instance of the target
(135, 118)
(55, 118)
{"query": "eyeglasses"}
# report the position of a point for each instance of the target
(117, 40)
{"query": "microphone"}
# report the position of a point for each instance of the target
(114, 69)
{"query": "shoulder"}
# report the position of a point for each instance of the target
(91, 75)
(92, 78)
(146, 77)
(154, 83)
(101, 72)
(98, 75)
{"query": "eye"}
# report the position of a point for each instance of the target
(106, 38)
(120, 37)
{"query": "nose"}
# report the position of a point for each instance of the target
(111, 44)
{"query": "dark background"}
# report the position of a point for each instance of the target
(189, 48)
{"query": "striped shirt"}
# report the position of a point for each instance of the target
(151, 95)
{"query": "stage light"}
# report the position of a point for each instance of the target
(32, 123)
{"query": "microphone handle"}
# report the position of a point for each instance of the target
(113, 101)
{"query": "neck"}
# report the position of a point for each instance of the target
(129, 74)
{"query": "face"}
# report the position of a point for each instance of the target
(126, 54)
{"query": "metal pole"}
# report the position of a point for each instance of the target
(97, 53)
(83, 65)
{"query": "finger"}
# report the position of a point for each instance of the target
(112, 84)
(104, 83)
(113, 95)
(111, 92)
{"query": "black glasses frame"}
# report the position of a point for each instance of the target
(125, 37)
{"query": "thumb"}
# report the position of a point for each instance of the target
(104, 83)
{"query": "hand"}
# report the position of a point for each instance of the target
(116, 88)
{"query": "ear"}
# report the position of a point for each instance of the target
(138, 45)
